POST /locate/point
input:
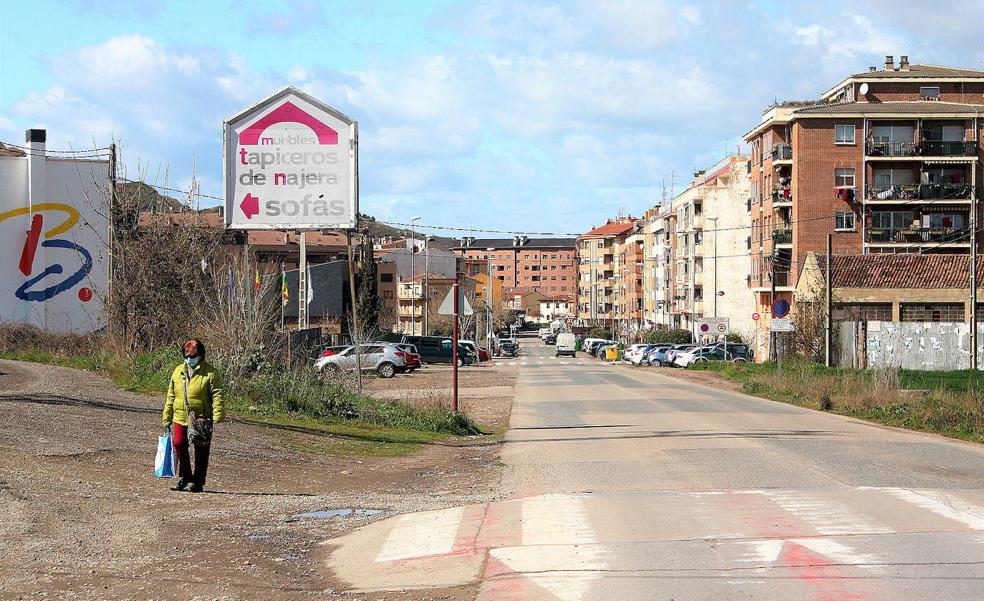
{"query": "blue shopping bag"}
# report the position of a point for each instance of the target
(164, 463)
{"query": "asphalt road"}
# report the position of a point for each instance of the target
(624, 483)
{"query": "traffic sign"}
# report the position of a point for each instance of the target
(782, 325)
(780, 308)
(447, 305)
(713, 325)
(755, 316)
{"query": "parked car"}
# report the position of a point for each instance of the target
(601, 350)
(737, 350)
(438, 349)
(328, 351)
(632, 351)
(707, 353)
(411, 357)
(566, 345)
(385, 359)
(649, 353)
(597, 348)
(671, 352)
(589, 343)
(508, 349)
(550, 339)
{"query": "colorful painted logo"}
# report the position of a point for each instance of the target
(31, 289)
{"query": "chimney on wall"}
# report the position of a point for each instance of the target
(889, 62)
(904, 63)
(872, 69)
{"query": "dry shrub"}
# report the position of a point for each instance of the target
(18, 338)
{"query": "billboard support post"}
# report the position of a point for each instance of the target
(302, 284)
(356, 340)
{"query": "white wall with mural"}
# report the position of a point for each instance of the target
(53, 234)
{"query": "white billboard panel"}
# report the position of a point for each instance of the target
(54, 270)
(291, 162)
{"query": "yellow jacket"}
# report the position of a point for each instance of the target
(204, 395)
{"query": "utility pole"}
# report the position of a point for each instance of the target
(413, 284)
(491, 300)
(973, 283)
(828, 341)
(426, 268)
(773, 351)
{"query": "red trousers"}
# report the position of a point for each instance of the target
(179, 440)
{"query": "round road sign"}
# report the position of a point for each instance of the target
(704, 328)
(780, 308)
(755, 316)
(722, 328)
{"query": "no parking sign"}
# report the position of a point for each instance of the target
(713, 326)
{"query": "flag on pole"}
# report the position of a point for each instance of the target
(256, 283)
(284, 294)
(310, 286)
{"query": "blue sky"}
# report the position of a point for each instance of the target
(543, 116)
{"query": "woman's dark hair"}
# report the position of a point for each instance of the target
(198, 344)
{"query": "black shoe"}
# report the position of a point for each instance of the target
(181, 485)
(196, 487)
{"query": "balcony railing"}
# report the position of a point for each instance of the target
(782, 236)
(782, 152)
(924, 148)
(781, 278)
(782, 194)
(920, 192)
(941, 235)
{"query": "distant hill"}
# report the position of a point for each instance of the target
(149, 199)
(382, 230)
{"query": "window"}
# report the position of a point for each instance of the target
(929, 92)
(844, 134)
(844, 178)
(933, 312)
(892, 133)
(862, 311)
(844, 220)
(386, 278)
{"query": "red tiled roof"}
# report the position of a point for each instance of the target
(277, 238)
(521, 290)
(6, 151)
(613, 228)
(210, 219)
(902, 271)
(562, 296)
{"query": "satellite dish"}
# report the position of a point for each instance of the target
(863, 89)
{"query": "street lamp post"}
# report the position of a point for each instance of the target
(413, 285)
(490, 299)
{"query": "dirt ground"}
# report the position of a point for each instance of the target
(707, 378)
(84, 518)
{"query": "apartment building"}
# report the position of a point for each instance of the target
(886, 161)
(628, 264)
(657, 270)
(596, 283)
(544, 264)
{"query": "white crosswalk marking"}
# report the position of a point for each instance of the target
(943, 504)
(826, 515)
(422, 534)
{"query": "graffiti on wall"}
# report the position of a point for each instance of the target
(55, 278)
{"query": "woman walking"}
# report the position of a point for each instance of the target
(193, 404)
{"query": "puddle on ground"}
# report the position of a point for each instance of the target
(332, 513)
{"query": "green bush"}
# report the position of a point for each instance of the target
(668, 337)
(602, 333)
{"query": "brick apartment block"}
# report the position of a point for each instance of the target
(543, 264)
(887, 161)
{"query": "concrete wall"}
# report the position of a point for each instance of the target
(911, 345)
(53, 234)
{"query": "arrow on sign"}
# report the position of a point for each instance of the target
(250, 205)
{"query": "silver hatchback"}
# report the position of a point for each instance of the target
(384, 358)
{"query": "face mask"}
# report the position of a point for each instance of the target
(192, 361)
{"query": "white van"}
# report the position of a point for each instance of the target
(566, 344)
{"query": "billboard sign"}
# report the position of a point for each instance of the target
(291, 163)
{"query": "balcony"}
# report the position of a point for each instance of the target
(782, 237)
(782, 152)
(782, 196)
(914, 192)
(921, 149)
(781, 278)
(698, 222)
(918, 236)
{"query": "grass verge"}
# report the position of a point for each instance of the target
(949, 403)
(290, 400)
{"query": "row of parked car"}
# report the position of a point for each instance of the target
(685, 355)
(390, 358)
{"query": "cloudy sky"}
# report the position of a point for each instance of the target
(525, 115)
